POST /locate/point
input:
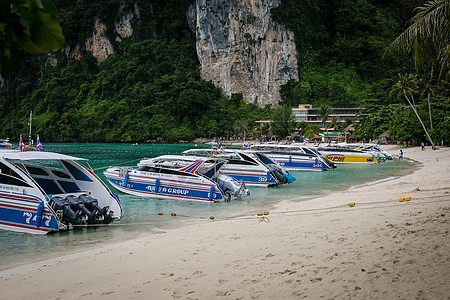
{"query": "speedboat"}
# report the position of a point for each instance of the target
(254, 169)
(295, 157)
(373, 148)
(42, 192)
(5, 144)
(340, 153)
(187, 183)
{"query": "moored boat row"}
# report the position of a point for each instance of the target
(43, 192)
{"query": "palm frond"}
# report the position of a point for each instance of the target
(428, 37)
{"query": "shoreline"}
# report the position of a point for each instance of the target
(379, 248)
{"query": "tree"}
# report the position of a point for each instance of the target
(241, 127)
(301, 126)
(429, 91)
(408, 85)
(283, 121)
(324, 113)
(427, 37)
(29, 26)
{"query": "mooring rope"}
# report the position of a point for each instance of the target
(262, 216)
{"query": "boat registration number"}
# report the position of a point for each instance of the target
(30, 217)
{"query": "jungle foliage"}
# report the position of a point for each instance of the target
(150, 89)
(344, 61)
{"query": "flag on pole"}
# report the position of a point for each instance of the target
(214, 148)
(221, 149)
(306, 140)
(246, 147)
(21, 144)
(39, 145)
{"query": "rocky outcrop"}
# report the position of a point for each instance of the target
(123, 28)
(242, 50)
(98, 44)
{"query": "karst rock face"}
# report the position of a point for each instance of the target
(242, 50)
(98, 43)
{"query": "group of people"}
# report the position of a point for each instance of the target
(423, 149)
(401, 151)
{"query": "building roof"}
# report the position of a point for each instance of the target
(330, 134)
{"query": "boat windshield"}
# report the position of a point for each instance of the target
(247, 158)
(310, 151)
(265, 160)
(212, 171)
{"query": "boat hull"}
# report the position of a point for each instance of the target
(190, 189)
(350, 158)
(20, 213)
(250, 177)
(293, 163)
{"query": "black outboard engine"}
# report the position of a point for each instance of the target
(78, 204)
(92, 205)
(69, 215)
(278, 173)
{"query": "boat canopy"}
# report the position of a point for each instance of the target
(35, 155)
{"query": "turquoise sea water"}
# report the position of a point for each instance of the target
(142, 214)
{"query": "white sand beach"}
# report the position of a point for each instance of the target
(379, 249)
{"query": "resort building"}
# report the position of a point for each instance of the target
(310, 114)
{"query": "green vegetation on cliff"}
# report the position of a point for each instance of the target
(150, 88)
(343, 61)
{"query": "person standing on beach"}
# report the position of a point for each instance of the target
(401, 154)
(423, 146)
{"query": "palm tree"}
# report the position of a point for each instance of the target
(324, 113)
(408, 85)
(429, 91)
(427, 37)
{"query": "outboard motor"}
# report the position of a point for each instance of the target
(232, 186)
(69, 215)
(92, 205)
(281, 175)
(78, 204)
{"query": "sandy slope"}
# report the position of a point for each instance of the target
(380, 248)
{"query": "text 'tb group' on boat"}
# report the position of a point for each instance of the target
(191, 182)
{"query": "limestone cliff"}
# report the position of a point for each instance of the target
(241, 49)
(98, 43)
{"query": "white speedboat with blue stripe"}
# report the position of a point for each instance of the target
(254, 168)
(295, 157)
(41, 192)
(188, 183)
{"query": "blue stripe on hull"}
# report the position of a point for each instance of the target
(21, 216)
(257, 180)
(166, 190)
(302, 165)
